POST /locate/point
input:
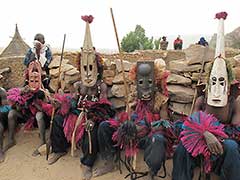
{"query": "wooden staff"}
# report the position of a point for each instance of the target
(60, 65)
(199, 79)
(48, 144)
(122, 67)
(124, 78)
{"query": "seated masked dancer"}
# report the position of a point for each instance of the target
(91, 99)
(40, 54)
(4, 110)
(148, 127)
(211, 135)
(29, 105)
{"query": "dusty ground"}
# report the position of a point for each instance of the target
(21, 165)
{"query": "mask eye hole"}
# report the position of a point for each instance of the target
(140, 82)
(150, 81)
(221, 79)
(214, 79)
(90, 67)
(85, 68)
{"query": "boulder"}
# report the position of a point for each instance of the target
(72, 72)
(67, 80)
(64, 68)
(126, 65)
(118, 79)
(56, 62)
(196, 53)
(181, 66)
(109, 65)
(180, 94)
(177, 79)
(207, 67)
(108, 73)
(173, 55)
(118, 102)
(180, 108)
(118, 90)
(54, 83)
(195, 77)
(237, 58)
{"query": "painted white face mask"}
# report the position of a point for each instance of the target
(218, 84)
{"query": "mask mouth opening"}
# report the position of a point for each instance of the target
(88, 80)
(216, 100)
(146, 97)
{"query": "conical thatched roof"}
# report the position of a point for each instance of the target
(17, 47)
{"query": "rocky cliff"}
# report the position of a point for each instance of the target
(232, 39)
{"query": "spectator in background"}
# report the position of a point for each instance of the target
(164, 43)
(178, 43)
(202, 42)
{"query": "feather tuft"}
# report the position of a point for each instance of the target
(221, 15)
(88, 19)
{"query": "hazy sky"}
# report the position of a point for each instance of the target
(53, 18)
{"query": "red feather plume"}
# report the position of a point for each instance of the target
(87, 18)
(221, 15)
(192, 136)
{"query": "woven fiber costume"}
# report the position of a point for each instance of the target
(91, 101)
(148, 127)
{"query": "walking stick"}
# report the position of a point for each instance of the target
(199, 80)
(124, 78)
(53, 112)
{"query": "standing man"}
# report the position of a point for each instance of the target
(210, 137)
(178, 43)
(42, 53)
(164, 43)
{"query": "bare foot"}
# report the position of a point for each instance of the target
(106, 168)
(9, 145)
(36, 152)
(55, 157)
(87, 172)
(149, 177)
(2, 157)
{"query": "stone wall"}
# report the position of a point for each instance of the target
(15, 77)
(185, 67)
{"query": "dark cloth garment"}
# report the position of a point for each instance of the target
(154, 147)
(4, 119)
(58, 139)
(88, 158)
(106, 144)
(154, 151)
(226, 165)
(30, 56)
(202, 42)
(178, 44)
